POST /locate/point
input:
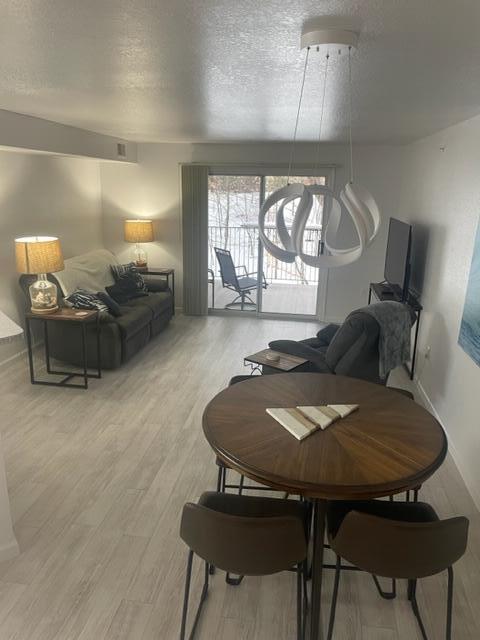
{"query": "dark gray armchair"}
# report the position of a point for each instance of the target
(350, 349)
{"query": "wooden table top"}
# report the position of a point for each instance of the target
(66, 314)
(389, 445)
(285, 362)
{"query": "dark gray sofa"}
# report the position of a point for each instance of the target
(350, 349)
(122, 337)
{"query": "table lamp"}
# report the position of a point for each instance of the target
(40, 255)
(139, 231)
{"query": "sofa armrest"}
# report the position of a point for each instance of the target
(155, 285)
(326, 335)
(302, 351)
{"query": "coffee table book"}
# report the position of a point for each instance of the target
(305, 420)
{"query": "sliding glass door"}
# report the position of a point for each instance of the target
(292, 287)
(236, 254)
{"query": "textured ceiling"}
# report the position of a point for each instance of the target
(215, 70)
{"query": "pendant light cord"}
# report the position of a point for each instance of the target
(317, 162)
(351, 109)
(292, 151)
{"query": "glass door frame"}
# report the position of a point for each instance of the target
(262, 172)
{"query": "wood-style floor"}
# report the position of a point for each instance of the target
(97, 481)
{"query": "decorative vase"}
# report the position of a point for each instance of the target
(43, 295)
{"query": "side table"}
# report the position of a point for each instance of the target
(165, 273)
(82, 317)
(285, 362)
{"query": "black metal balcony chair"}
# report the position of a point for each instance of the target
(243, 285)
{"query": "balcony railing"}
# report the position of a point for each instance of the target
(242, 242)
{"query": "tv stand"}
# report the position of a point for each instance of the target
(382, 291)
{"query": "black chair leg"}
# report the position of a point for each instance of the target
(386, 595)
(240, 486)
(299, 601)
(412, 596)
(186, 595)
(222, 479)
(233, 582)
(305, 598)
(219, 478)
(449, 603)
(305, 587)
(203, 597)
(333, 606)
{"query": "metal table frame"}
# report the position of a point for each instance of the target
(65, 382)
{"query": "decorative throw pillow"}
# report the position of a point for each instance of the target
(118, 270)
(125, 289)
(129, 270)
(112, 305)
(81, 299)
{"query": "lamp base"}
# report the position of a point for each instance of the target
(139, 256)
(43, 295)
(41, 312)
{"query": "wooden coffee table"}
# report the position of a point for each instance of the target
(286, 362)
(389, 445)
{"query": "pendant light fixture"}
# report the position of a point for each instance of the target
(354, 200)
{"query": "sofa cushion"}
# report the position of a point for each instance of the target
(89, 271)
(156, 284)
(157, 303)
(133, 319)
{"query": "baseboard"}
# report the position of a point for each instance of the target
(10, 550)
(469, 482)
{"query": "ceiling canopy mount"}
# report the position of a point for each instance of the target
(329, 40)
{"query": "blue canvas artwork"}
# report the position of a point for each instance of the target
(469, 338)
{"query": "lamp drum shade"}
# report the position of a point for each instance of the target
(38, 254)
(138, 231)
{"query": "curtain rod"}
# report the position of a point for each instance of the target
(272, 165)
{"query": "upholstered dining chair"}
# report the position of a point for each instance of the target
(398, 540)
(248, 536)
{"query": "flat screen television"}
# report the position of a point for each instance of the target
(397, 259)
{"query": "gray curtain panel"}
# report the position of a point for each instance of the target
(195, 239)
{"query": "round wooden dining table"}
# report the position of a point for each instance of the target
(389, 445)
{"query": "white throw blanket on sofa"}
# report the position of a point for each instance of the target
(89, 271)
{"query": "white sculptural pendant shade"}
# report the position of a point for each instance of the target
(354, 201)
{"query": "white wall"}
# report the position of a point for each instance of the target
(18, 131)
(44, 195)
(152, 189)
(441, 197)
